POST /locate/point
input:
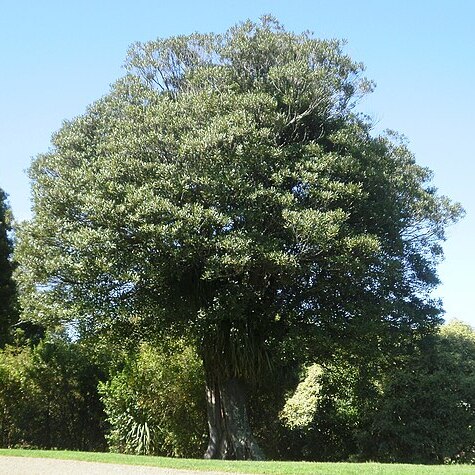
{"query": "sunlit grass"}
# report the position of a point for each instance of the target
(271, 468)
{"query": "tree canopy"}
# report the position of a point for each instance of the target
(226, 190)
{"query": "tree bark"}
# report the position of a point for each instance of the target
(230, 435)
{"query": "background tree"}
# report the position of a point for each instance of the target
(426, 413)
(8, 309)
(225, 190)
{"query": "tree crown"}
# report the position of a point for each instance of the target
(226, 188)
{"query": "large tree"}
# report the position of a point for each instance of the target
(8, 311)
(226, 190)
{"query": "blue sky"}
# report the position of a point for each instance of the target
(59, 56)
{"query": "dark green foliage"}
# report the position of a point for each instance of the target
(8, 307)
(419, 409)
(49, 398)
(155, 405)
(427, 411)
(326, 413)
(225, 188)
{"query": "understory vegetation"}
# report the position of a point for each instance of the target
(419, 408)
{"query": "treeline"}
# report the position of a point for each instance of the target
(66, 394)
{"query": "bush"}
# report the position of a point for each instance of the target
(326, 411)
(16, 401)
(156, 404)
(49, 397)
(420, 409)
(427, 411)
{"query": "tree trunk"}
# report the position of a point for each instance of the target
(230, 435)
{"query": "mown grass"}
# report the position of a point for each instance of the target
(270, 468)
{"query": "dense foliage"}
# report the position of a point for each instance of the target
(421, 409)
(8, 310)
(427, 410)
(156, 403)
(49, 397)
(226, 192)
(225, 187)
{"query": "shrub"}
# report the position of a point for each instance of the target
(49, 397)
(323, 415)
(427, 411)
(156, 404)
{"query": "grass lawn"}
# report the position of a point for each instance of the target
(275, 468)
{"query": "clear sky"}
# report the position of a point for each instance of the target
(59, 56)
